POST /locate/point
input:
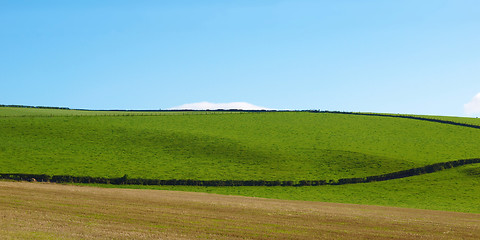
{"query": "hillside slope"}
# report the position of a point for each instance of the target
(283, 146)
(456, 189)
(267, 146)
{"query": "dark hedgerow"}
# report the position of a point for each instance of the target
(230, 183)
(403, 116)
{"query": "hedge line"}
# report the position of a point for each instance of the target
(218, 183)
(25, 106)
(138, 110)
(409, 172)
(404, 116)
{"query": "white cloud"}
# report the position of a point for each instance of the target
(215, 106)
(473, 107)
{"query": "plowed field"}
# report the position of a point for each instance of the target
(54, 211)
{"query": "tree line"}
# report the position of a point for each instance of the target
(220, 183)
(25, 106)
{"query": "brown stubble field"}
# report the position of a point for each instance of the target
(54, 211)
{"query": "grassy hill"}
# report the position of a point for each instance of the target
(473, 121)
(455, 189)
(56, 112)
(248, 146)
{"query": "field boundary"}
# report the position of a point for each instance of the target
(403, 116)
(125, 180)
(146, 112)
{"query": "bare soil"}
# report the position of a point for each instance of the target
(55, 211)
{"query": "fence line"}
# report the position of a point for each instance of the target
(217, 183)
(404, 116)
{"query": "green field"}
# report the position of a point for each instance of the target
(251, 146)
(53, 112)
(450, 190)
(473, 121)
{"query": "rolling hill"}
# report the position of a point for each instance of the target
(271, 146)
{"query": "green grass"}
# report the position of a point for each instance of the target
(455, 189)
(268, 146)
(47, 112)
(250, 146)
(467, 120)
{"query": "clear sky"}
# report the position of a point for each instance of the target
(381, 56)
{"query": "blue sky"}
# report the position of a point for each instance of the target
(382, 56)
